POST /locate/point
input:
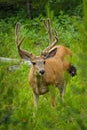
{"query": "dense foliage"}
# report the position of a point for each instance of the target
(16, 100)
(34, 8)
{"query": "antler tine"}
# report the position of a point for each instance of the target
(52, 42)
(23, 53)
(56, 35)
(46, 51)
(17, 30)
(17, 35)
(47, 25)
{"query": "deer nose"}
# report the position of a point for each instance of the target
(42, 72)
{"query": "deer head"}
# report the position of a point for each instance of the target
(38, 62)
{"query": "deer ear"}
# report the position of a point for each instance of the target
(51, 53)
(25, 54)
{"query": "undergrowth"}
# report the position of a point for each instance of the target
(16, 99)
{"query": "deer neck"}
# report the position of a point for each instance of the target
(39, 80)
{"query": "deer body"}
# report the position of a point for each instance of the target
(54, 73)
(53, 76)
(61, 54)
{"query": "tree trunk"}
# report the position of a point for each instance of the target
(29, 6)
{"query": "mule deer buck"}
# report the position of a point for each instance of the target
(47, 70)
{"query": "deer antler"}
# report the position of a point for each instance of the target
(47, 25)
(23, 53)
(17, 35)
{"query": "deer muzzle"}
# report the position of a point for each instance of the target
(42, 72)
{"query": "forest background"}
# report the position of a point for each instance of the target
(69, 17)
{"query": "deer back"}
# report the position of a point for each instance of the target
(62, 53)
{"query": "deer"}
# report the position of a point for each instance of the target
(47, 70)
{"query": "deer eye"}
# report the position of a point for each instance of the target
(34, 63)
(44, 62)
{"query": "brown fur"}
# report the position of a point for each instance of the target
(54, 73)
(54, 76)
(61, 53)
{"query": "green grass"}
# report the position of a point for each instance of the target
(17, 111)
